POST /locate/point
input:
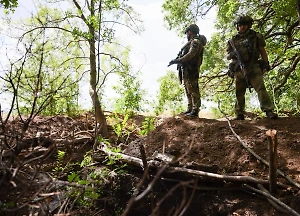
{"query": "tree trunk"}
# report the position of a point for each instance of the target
(298, 12)
(100, 117)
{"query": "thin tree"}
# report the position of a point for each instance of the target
(91, 24)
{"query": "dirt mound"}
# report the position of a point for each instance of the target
(211, 142)
(195, 141)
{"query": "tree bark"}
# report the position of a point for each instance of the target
(298, 12)
(99, 114)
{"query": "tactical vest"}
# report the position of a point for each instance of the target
(196, 61)
(246, 45)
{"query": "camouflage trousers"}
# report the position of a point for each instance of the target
(255, 77)
(191, 85)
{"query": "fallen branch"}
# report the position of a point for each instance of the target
(195, 173)
(274, 204)
(286, 207)
(244, 179)
(73, 141)
(257, 156)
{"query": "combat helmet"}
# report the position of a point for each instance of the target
(244, 19)
(193, 28)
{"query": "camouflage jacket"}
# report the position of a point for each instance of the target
(247, 46)
(193, 52)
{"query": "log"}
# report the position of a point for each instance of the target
(190, 172)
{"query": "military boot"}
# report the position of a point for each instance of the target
(271, 115)
(193, 113)
(240, 117)
(187, 112)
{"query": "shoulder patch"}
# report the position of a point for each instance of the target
(195, 45)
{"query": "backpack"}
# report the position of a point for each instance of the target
(202, 39)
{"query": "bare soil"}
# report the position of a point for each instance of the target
(212, 142)
(195, 142)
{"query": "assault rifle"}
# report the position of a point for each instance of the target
(241, 64)
(179, 65)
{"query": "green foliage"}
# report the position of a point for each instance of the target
(112, 159)
(84, 197)
(60, 155)
(130, 97)
(101, 139)
(60, 166)
(87, 160)
(112, 162)
(119, 125)
(276, 20)
(9, 4)
(91, 177)
(51, 70)
(214, 84)
(147, 126)
(78, 33)
(170, 94)
(44, 77)
(8, 205)
(179, 14)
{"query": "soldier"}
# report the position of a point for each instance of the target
(249, 45)
(190, 61)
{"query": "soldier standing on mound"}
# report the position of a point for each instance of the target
(190, 61)
(249, 45)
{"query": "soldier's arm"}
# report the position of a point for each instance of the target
(195, 46)
(261, 48)
(261, 43)
(263, 53)
(230, 52)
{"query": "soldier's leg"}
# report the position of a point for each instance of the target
(196, 100)
(188, 95)
(193, 89)
(240, 90)
(263, 96)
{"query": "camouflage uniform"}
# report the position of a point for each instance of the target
(191, 62)
(247, 46)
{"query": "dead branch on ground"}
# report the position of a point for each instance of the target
(137, 162)
(269, 196)
(274, 204)
(256, 155)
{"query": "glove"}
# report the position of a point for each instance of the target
(230, 74)
(232, 55)
(267, 66)
(231, 70)
(174, 61)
